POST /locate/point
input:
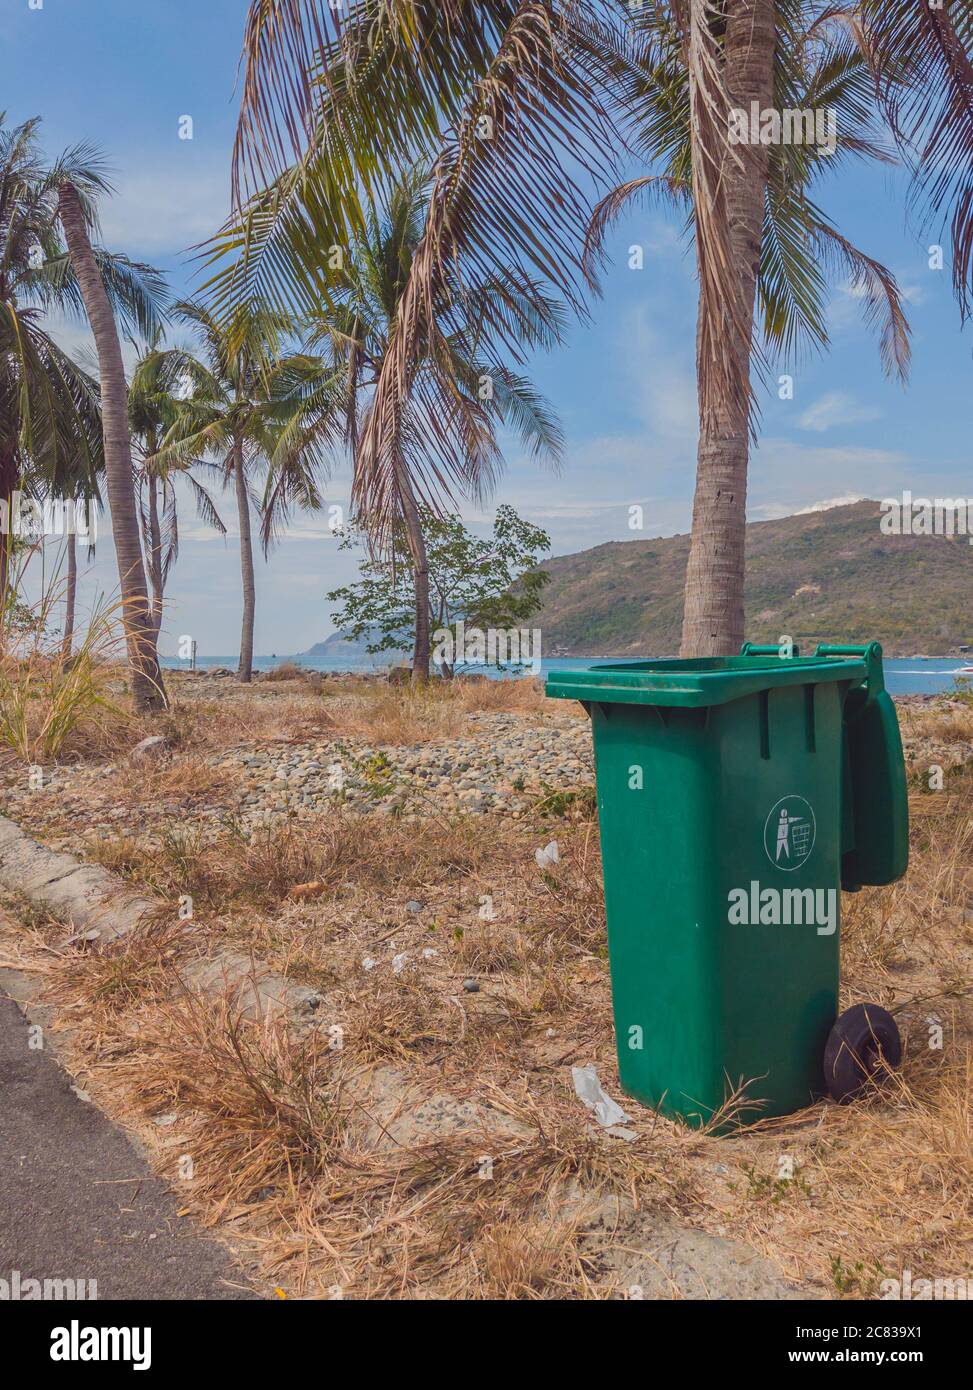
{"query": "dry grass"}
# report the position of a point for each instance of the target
(230, 868)
(286, 671)
(265, 1109)
(85, 714)
(386, 714)
(243, 715)
(439, 710)
(264, 1133)
(292, 1138)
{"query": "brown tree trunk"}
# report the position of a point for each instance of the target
(9, 481)
(420, 576)
(70, 595)
(148, 690)
(713, 620)
(245, 669)
(155, 556)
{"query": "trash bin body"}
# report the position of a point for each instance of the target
(717, 781)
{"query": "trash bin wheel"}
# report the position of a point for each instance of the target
(863, 1048)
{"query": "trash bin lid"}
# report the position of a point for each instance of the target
(699, 681)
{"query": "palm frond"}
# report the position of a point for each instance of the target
(875, 286)
(922, 59)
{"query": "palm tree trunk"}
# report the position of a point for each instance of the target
(245, 669)
(713, 620)
(70, 595)
(148, 690)
(420, 576)
(9, 479)
(155, 556)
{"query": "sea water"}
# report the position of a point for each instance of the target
(903, 675)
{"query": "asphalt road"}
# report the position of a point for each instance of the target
(76, 1199)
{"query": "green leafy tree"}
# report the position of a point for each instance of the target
(487, 582)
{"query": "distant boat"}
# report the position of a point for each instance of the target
(966, 671)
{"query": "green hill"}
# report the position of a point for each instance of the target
(817, 577)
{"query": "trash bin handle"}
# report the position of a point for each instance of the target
(872, 654)
(767, 649)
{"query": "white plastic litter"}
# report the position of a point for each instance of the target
(589, 1091)
(399, 962)
(547, 856)
(368, 963)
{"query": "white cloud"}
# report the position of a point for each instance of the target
(912, 293)
(787, 476)
(835, 408)
(772, 511)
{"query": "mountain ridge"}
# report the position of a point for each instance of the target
(816, 576)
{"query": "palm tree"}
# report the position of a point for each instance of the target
(763, 248)
(458, 392)
(70, 597)
(49, 408)
(77, 215)
(510, 99)
(156, 396)
(780, 268)
(502, 101)
(49, 414)
(250, 404)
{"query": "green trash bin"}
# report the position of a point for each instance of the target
(736, 796)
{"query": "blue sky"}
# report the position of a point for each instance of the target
(122, 74)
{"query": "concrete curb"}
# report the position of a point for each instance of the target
(99, 909)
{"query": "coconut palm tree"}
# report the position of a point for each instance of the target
(49, 414)
(458, 392)
(156, 396)
(510, 99)
(250, 405)
(792, 260)
(504, 105)
(921, 57)
(76, 183)
(763, 247)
